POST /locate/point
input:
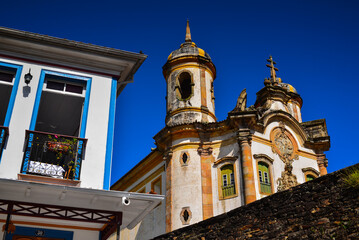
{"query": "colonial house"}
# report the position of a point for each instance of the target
(206, 167)
(57, 116)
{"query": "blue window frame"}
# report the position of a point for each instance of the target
(68, 79)
(10, 77)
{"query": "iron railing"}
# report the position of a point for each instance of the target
(4, 133)
(53, 155)
(228, 190)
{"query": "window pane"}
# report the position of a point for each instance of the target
(5, 93)
(6, 77)
(55, 85)
(225, 180)
(74, 88)
(232, 179)
(266, 178)
(260, 176)
(59, 113)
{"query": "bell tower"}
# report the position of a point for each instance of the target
(189, 73)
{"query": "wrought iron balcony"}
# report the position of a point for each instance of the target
(53, 155)
(228, 190)
(4, 132)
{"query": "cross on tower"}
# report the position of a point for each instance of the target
(272, 68)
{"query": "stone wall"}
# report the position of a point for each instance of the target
(325, 208)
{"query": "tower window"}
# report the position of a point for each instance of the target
(184, 86)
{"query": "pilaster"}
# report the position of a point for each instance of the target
(206, 178)
(244, 141)
(322, 164)
(168, 163)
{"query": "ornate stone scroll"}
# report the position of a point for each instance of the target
(284, 144)
(287, 180)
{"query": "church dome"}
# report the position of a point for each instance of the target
(288, 87)
(188, 49)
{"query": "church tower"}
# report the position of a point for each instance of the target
(189, 73)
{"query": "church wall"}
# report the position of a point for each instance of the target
(276, 167)
(263, 145)
(92, 172)
(145, 180)
(221, 205)
(154, 223)
(278, 105)
(186, 184)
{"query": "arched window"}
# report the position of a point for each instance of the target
(310, 174)
(264, 178)
(184, 86)
(228, 181)
(309, 177)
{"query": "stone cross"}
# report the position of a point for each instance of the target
(272, 68)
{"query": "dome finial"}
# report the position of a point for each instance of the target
(188, 33)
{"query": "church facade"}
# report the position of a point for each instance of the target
(206, 167)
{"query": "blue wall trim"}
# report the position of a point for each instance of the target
(40, 232)
(37, 100)
(86, 108)
(71, 78)
(110, 134)
(15, 87)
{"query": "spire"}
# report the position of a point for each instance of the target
(188, 33)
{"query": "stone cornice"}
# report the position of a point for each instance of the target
(169, 65)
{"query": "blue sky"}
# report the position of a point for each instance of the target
(315, 45)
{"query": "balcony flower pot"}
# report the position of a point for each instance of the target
(58, 147)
